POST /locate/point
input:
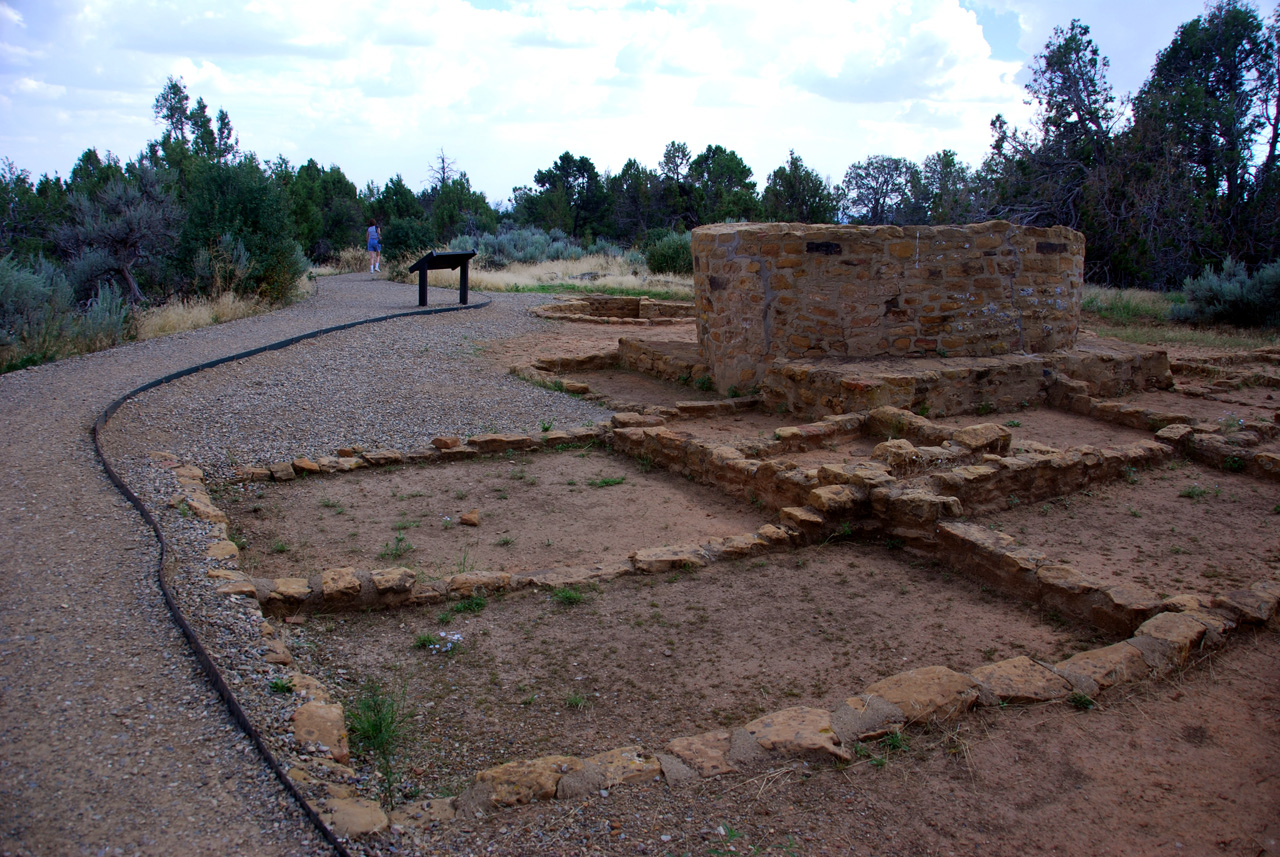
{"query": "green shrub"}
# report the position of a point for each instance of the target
(671, 255)
(527, 245)
(1232, 296)
(405, 236)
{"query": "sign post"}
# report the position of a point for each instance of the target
(449, 260)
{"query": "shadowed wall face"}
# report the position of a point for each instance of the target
(788, 291)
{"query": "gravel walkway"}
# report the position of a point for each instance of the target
(111, 741)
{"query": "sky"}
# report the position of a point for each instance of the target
(504, 87)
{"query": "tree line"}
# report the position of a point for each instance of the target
(1162, 183)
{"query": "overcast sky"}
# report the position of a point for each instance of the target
(380, 87)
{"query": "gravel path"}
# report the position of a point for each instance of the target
(111, 741)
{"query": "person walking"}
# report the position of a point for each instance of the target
(375, 248)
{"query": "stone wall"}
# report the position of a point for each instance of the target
(786, 291)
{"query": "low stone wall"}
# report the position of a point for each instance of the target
(789, 291)
(618, 310)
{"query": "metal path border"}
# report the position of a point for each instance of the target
(206, 663)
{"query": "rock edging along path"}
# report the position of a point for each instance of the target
(112, 737)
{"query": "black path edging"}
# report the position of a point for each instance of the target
(206, 663)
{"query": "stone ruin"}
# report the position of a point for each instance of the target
(770, 292)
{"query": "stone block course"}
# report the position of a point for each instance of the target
(765, 295)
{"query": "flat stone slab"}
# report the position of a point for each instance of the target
(627, 765)
(798, 731)
(353, 817)
(1178, 629)
(517, 783)
(1021, 681)
(322, 723)
(928, 693)
(1109, 665)
(708, 753)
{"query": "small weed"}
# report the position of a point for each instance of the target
(446, 522)
(546, 425)
(645, 462)
(401, 547)
(279, 546)
(528, 700)
(1131, 475)
(280, 685)
(607, 481)
(183, 509)
(1136, 513)
(985, 408)
(471, 604)
(1013, 423)
(1233, 464)
(376, 721)
(989, 654)
(684, 378)
(445, 618)
(567, 596)
(502, 494)
(1177, 550)
(894, 544)
(460, 494)
(425, 641)
(733, 392)
(332, 504)
(1193, 492)
(705, 384)
(1082, 701)
(923, 410)
(879, 762)
(576, 701)
(1275, 510)
(505, 542)
(894, 741)
(237, 538)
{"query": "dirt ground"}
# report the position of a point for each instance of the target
(648, 659)
(1151, 529)
(1188, 765)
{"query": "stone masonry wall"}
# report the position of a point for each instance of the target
(785, 291)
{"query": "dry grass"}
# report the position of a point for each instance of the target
(1141, 316)
(177, 316)
(352, 260)
(615, 277)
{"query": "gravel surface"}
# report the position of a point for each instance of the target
(113, 741)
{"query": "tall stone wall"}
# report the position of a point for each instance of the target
(785, 291)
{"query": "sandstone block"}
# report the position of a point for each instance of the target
(1178, 629)
(633, 420)
(465, 585)
(1254, 606)
(627, 765)
(277, 653)
(450, 442)
(222, 550)
(658, 560)
(305, 465)
(238, 587)
(353, 817)
(490, 443)
(383, 457)
(470, 519)
(799, 731)
(308, 687)
(339, 584)
(984, 438)
(1110, 665)
(282, 471)
(517, 783)
(289, 589)
(392, 580)
(866, 718)
(1019, 681)
(322, 723)
(833, 499)
(928, 693)
(707, 753)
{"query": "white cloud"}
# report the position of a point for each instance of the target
(37, 88)
(10, 15)
(504, 88)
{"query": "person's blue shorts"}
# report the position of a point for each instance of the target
(374, 247)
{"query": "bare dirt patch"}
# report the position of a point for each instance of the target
(1179, 528)
(1249, 403)
(1057, 429)
(647, 659)
(576, 507)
